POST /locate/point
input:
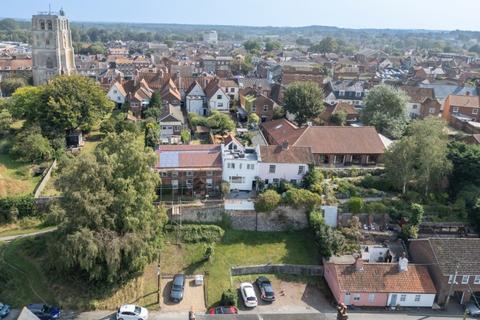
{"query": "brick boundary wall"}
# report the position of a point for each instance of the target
(302, 270)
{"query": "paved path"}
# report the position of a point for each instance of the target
(25, 235)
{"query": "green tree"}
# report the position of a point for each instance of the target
(465, 160)
(339, 118)
(417, 212)
(355, 204)
(432, 165)
(313, 179)
(112, 229)
(220, 122)
(152, 134)
(253, 45)
(271, 45)
(5, 121)
(400, 163)
(304, 100)
(326, 45)
(385, 108)
(31, 146)
(156, 100)
(267, 201)
(253, 118)
(65, 103)
(9, 85)
(330, 242)
(186, 136)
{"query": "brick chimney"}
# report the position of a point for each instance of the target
(358, 263)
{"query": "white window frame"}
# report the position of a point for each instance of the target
(341, 93)
(301, 170)
(371, 297)
(189, 173)
(431, 110)
(174, 184)
(451, 279)
(475, 111)
(272, 168)
(476, 280)
(403, 297)
(465, 279)
(455, 109)
(418, 297)
(356, 297)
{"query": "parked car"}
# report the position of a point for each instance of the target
(223, 310)
(132, 312)
(266, 289)
(44, 311)
(178, 285)
(248, 295)
(473, 309)
(4, 310)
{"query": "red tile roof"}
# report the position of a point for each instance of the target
(383, 277)
(277, 154)
(282, 130)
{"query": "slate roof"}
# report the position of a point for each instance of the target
(189, 156)
(442, 90)
(450, 252)
(383, 277)
(212, 88)
(172, 113)
(348, 85)
(277, 154)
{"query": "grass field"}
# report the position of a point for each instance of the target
(27, 280)
(239, 248)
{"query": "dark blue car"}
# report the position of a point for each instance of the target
(4, 310)
(44, 312)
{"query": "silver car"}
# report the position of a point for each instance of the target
(472, 309)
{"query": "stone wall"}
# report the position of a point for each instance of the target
(198, 212)
(281, 219)
(302, 270)
(43, 182)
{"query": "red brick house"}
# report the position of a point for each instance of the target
(190, 169)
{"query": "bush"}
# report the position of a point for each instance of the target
(267, 201)
(31, 146)
(12, 208)
(347, 189)
(229, 298)
(195, 233)
(302, 198)
(313, 179)
(375, 182)
(330, 242)
(375, 207)
(355, 205)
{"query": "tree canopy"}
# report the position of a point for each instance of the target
(385, 108)
(326, 45)
(112, 229)
(304, 100)
(65, 103)
(9, 85)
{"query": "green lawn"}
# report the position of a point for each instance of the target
(15, 177)
(239, 248)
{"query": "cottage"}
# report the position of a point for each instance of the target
(421, 102)
(349, 91)
(217, 99)
(171, 122)
(380, 284)
(195, 99)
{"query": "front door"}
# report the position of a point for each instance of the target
(347, 298)
(393, 301)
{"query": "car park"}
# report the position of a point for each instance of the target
(248, 295)
(44, 311)
(223, 310)
(266, 289)
(178, 287)
(131, 312)
(4, 310)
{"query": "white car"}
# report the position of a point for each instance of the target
(132, 312)
(248, 295)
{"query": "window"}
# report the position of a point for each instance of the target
(451, 279)
(477, 280)
(174, 174)
(49, 24)
(250, 166)
(271, 168)
(293, 181)
(42, 25)
(240, 166)
(231, 166)
(356, 297)
(220, 105)
(209, 173)
(358, 94)
(403, 297)
(341, 93)
(47, 42)
(475, 111)
(189, 183)
(414, 106)
(301, 169)
(189, 173)
(254, 108)
(371, 297)
(265, 108)
(219, 97)
(232, 89)
(237, 179)
(164, 174)
(465, 279)
(209, 183)
(417, 297)
(455, 109)
(431, 110)
(174, 184)
(276, 181)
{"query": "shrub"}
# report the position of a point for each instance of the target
(330, 242)
(375, 207)
(347, 188)
(375, 182)
(298, 198)
(312, 179)
(195, 233)
(229, 298)
(31, 146)
(355, 204)
(267, 201)
(12, 208)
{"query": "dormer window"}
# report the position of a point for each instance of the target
(341, 93)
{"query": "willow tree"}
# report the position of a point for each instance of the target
(112, 229)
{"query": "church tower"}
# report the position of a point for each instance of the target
(52, 50)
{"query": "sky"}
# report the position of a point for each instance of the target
(393, 14)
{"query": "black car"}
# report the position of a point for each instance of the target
(266, 289)
(178, 285)
(44, 311)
